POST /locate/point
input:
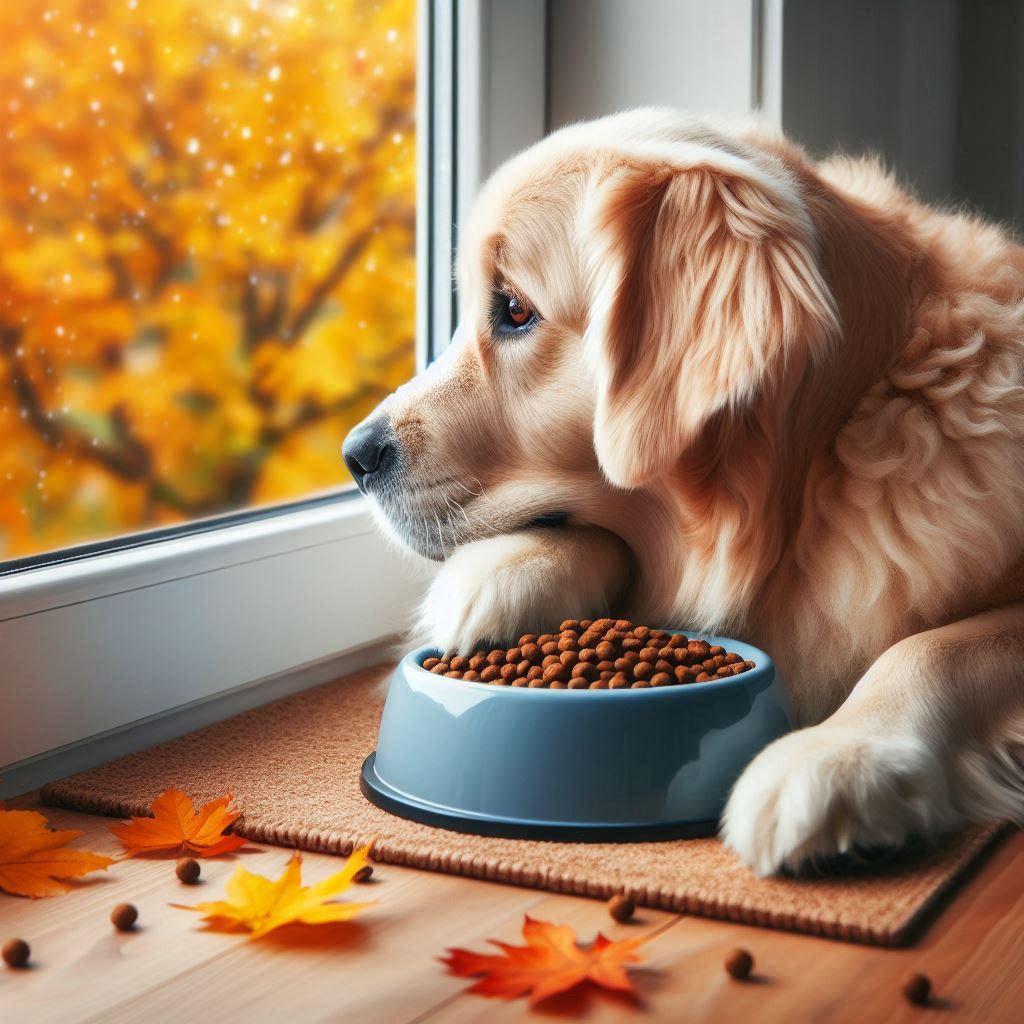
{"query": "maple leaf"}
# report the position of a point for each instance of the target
(261, 904)
(550, 962)
(175, 827)
(34, 859)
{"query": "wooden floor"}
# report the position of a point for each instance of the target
(383, 968)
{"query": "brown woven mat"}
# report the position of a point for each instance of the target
(294, 769)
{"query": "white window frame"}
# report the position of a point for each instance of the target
(104, 654)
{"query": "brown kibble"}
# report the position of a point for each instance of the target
(677, 640)
(520, 681)
(662, 665)
(489, 673)
(557, 685)
(918, 989)
(527, 638)
(507, 672)
(621, 907)
(569, 624)
(589, 638)
(429, 663)
(569, 658)
(606, 666)
(649, 654)
(469, 676)
(643, 670)
(606, 651)
(682, 673)
(641, 684)
(585, 623)
(453, 674)
(523, 667)
(624, 625)
(536, 672)
(599, 684)
(187, 870)
(623, 665)
(532, 652)
(123, 917)
(632, 643)
(579, 683)
(551, 647)
(364, 874)
(16, 952)
(703, 677)
(739, 964)
(606, 675)
(440, 668)
(588, 654)
(556, 673)
(496, 657)
(459, 663)
(716, 649)
(641, 632)
(537, 683)
(584, 670)
(551, 659)
(618, 681)
(568, 643)
(514, 655)
(613, 636)
(699, 647)
(477, 662)
(662, 679)
(544, 638)
(660, 634)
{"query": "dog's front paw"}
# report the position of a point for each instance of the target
(499, 588)
(831, 790)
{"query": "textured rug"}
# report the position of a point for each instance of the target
(293, 767)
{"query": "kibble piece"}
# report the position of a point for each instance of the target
(429, 663)
(613, 636)
(606, 666)
(649, 654)
(641, 684)
(579, 683)
(641, 632)
(469, 676)
(534, 684)
(551, 647)
(918, 989)
(605, 675)
(677, 640)
(453, 674)
(584, 670)
(624, 625)
(716, 649)
(699, 647)
(682, 674)
(599, 684)
(585, 623)
(589, 638)
(568, 643)
(588, 654)
(556, 673)
(739, 964)
(632, 643)
(619, 681)
(440, 668)
(531, 652)
(187, 870)
(544, 638)
(569, 658)
(496, 657)
(123, 917)
(660, 634)
(521, 681)
(364, 874)
(460, 663)
(489, 673)
(602, 625)
(569, 624)
(643, 670)
(557, 685)
(523, 667)
(703, 677)
(621, 907)
(16, 952)
(606, 651)
(527, 638)
(477, 662)
(514, 655)
(661, 665)
(662, 679)
(551, 659)
(536, 672)
(507, 672)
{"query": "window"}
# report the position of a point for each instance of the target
(207, 254)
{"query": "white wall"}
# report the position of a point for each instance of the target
(608, 55)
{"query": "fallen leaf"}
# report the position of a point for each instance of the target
(261, 904)
(34, 859)
(175, 827)
(550, 962)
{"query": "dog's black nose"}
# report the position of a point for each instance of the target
(369, 452)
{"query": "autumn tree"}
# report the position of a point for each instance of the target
(206, 253)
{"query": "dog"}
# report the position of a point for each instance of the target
(703, 380)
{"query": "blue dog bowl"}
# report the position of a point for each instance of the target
(576, 765)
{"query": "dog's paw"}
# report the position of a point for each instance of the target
(831, 790)
(499, 588)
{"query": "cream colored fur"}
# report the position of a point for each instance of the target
(776, 399)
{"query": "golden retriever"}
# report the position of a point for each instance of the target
(704, 381)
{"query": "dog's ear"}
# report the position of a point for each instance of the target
(705, 285)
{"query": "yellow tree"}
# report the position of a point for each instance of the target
(206, 252)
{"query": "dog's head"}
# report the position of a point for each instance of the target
(626, 286)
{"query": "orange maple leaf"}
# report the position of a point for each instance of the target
(34, 859)
(262, 904)
(550, 962)
(175, 827)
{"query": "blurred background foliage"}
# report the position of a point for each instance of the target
(207, 217)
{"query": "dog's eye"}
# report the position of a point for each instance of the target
(512, 314)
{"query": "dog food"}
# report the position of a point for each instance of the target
(123, 917)
(621, 907)
(599, 654)
(738, 964)
(918, 989)
(16, 953)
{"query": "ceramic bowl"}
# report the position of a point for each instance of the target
(571, 764)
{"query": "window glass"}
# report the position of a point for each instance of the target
(207, 216)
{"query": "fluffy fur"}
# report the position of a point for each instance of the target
(775, 399)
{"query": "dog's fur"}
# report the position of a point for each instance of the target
(778, 400)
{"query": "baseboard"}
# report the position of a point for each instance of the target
(34, 772)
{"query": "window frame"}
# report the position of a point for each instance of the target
(107, 647)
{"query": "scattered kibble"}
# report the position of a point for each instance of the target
(188, 870)
(621, 907)
(16, 952)
(363, 874)
(918, 989)
(598, 654)
(123, 917)
(739, 963)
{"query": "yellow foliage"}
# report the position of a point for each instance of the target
(207, 216)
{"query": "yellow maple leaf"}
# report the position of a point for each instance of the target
(263, 904)
(34, 860)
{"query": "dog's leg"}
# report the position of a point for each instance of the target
(931, 736)
(499, 588)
